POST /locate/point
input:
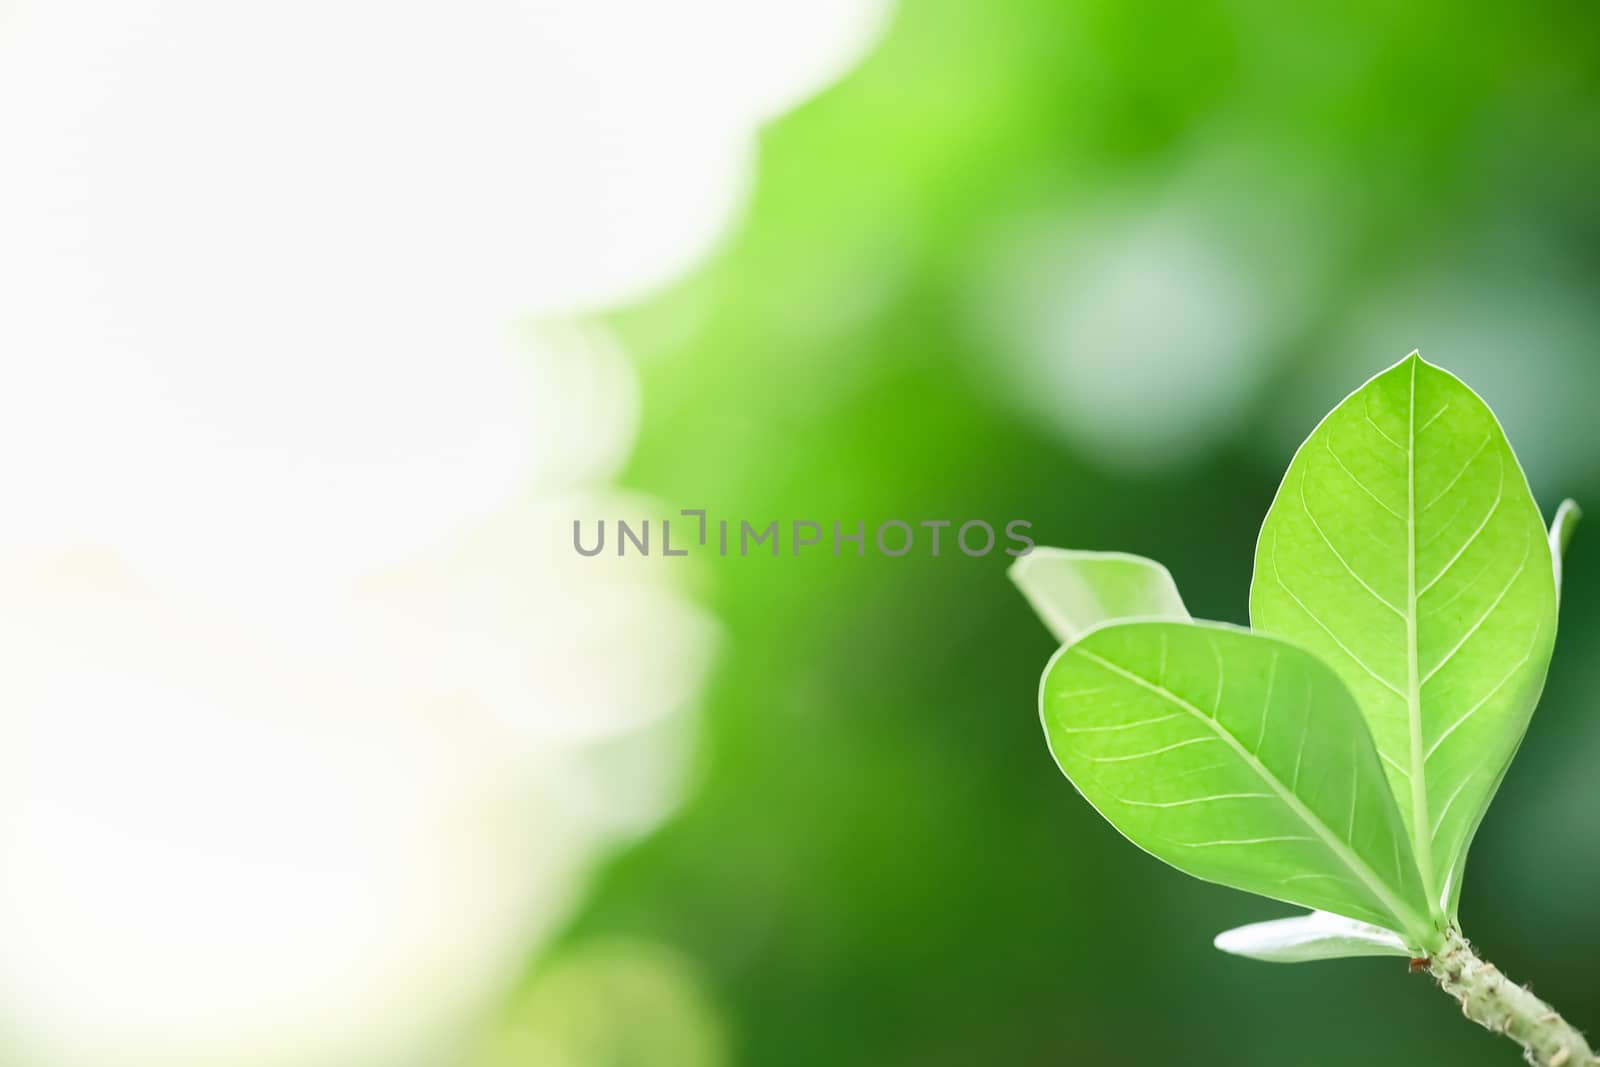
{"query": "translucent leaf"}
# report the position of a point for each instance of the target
(1075, 591)
(1561, 530)
(1404, 548)
(1303, 938)
(1236, 758)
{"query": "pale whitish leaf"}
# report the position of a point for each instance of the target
(1568, 515)
(1304, 938)
(1404, 547)
(1073, 591)
(1236, 758)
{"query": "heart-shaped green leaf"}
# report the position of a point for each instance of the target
(1236, 758)
(1074, 591)
(1404, 547)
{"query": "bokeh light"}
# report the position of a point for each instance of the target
(311, 732)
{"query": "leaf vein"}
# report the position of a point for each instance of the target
(1305, 506)
(1194, 800)
(1515, 667)
(1433, 831)
(1366, 406)
(1118, 726)
(1130, 757)
(1441, 494)
(1380, 679)
(1396, 764)
(1376, 499)
(1245, 840)
(1343, 851)
(1434, 417)
(1478, 625)
(1266, 707)
(1499, 498)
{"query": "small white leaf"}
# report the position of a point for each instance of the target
(1320, 935)
(1073, 591)
(1561, 529)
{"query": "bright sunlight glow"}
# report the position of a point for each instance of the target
(305, 712)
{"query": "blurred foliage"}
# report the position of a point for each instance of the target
(569, 1016)
(880, 864)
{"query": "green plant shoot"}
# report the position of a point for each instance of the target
(1340, 754)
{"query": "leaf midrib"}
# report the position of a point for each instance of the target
(1421, 839)
(1386, 894)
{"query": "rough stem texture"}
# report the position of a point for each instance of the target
(1498, 1004)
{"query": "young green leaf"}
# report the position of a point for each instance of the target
(1074, 591)
(1304, 938)
(1236, 758)
(1404, 547)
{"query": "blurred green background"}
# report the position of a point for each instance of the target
(1097, 266)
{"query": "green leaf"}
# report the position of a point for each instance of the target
(1304, 938)
(1404, 547)
(1075, 591)
(1236, 758)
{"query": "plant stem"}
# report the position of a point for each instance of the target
(1499, 1005)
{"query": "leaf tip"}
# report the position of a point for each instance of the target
(1019, 571)
(1406, 364)
(1018, 565)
